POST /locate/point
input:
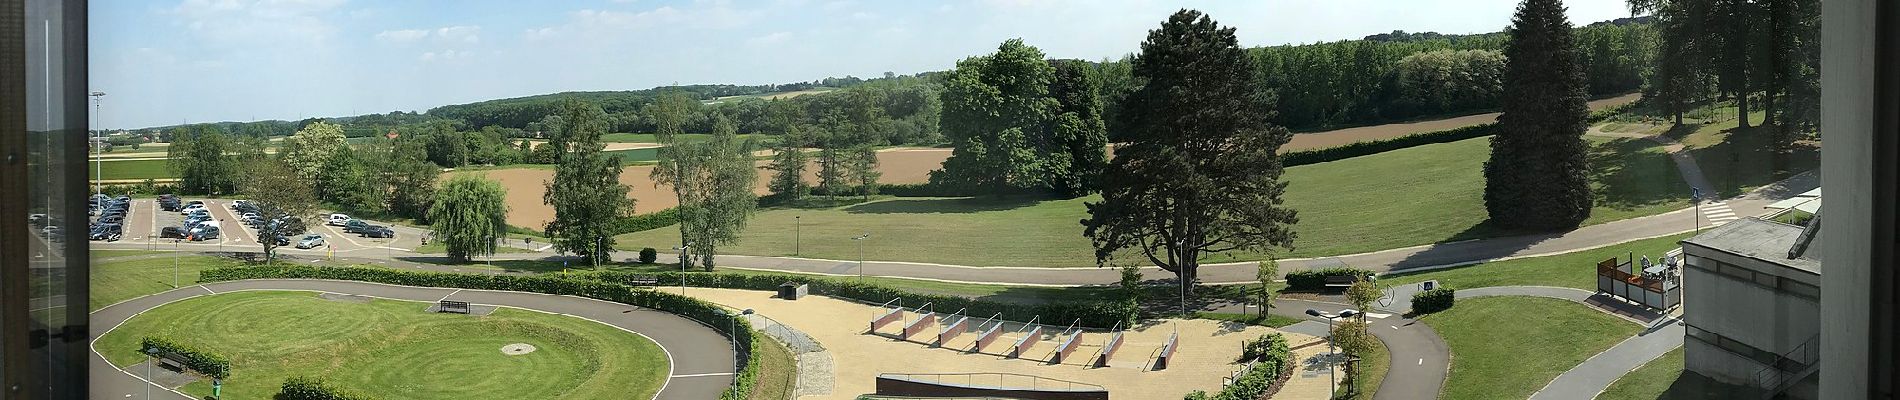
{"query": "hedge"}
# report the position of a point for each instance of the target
(707, 313)
(1315, 279)
(1435, 300)
(1093, 314)
(648, 221)
(205, 363)
(301, 388)
(1274, 366)
(1336, 153)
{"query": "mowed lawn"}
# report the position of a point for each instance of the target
(1571, 270)
(1415, 196)
(395, 350)
(117, 281)
(132, 169)
(1509, 347)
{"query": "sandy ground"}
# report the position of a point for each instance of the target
(527, 185)
(1204, 359)
(1320, 140)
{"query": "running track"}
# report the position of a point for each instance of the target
(702, 359)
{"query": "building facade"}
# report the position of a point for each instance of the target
(1752, 306)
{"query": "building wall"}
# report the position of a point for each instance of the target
(1744, 311)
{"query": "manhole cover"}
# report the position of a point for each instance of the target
(517, 349)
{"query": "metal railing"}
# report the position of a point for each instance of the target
(996, 380)
(1779, 375)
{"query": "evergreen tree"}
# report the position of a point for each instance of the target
(469, 216)
(862, 168)
(1198, 172)
(586, 193)
(1537, 177)
(788, 166)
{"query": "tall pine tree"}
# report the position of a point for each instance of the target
(1537, 177)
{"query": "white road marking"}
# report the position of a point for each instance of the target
(705, 374)
(207, 290)
(446, 296)
(1421, 361)
(1378, 315)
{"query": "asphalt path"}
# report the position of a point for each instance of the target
(702, 360)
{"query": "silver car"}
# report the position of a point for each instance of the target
(310, 241)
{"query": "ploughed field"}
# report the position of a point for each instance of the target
(394, 349)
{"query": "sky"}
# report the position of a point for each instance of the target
(170, 62)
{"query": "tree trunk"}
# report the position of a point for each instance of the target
(1741, 109)
(1678, 117)
(1768, 108)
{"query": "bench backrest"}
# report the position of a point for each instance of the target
(453, 306)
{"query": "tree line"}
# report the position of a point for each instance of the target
(1761, 54)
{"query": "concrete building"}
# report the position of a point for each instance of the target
(1752, 303)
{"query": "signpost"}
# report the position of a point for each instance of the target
(1695, 196)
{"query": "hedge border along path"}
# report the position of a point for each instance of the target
(707, 313)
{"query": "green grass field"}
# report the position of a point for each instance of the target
(1571, 270)
(437, 247)
(395, 350)
(113, 282)
(98, 254)
(1415, 196)
(1508, 347)
(651, 138)
(1375, 363)
(1649, 382)
(778, 371)
(133, 169)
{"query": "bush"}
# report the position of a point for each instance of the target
(1315, 156)
(301, 388)
(1274, 366)
(916, 190)
(1435, 300)
(1093, 314)
(1315, 279)
(648, 221)
(205, 363)
(648, 255)
(712, 315)
(147, 187)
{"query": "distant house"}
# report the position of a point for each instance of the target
(1752, 307)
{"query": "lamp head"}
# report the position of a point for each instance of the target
(1315, 313)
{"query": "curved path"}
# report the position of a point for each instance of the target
(702, 359)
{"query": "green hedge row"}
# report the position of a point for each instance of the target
(1275, 361)
(648, 221)
(1315, 279)
(1315, 156)
(1435, 300)
(1093, 314)
(302, 388)
(708, 313)
(205, 363)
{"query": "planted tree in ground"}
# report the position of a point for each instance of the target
(995, 107)
(279, 192)
(714, 184)
(201, 156)
(1537, 177)
(1265, 272)
(1198, 172)
(862, 168)
(1077, 136)
(347, 181)
(410, 179)
(469, 216)
(310, 149)
(586, 192)
(788, 166)
(1362, 293)
(1354, 340)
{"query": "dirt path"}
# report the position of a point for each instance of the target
(1338, 137)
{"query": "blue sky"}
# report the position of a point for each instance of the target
(169, 62)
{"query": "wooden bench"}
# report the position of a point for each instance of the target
(452, 306)
(1341, 281)
(171, 361)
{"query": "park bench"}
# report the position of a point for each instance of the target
(452, 306)
(171, 361)
(644, 281)
(1341, 281)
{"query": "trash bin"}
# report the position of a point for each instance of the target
(792, 290)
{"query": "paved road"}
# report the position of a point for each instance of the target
(702, 359)
(1419, 359)
(1586, 380)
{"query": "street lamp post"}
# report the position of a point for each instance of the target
(1332, 371)
(860, 240)
(98, 159)
(798, 227)
(682, 248)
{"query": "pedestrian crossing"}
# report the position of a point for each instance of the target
(1718, 213)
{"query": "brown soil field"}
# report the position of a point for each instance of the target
(1340, 137)
(526, 186)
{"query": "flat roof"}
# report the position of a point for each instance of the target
(1758, 239)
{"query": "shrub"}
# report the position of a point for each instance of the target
(1435, 300)
(648, 255)
(916, 190)
(1315, 279)
(648, 221)
(1315, 156)
(205, 363)
(301, 388)
(1274, 366)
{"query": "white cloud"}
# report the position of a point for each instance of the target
(402, 35)
(769, 39)
(257, 21)
(460, 33)
(444, 55)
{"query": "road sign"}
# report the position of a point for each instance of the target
(1695, 193)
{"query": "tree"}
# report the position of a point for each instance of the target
(1078, 138)
(1355, 340)
(1537, 177)
(1266, 272)
(713, 180)
(788, 166)
(202, 157)
(310, 149)
(1198, 172)
(862, 168)
(279, 192)
(346, 180)
(1362, 293)
(586, 193)
(469, 216)
(992, 105)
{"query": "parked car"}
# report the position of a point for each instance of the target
(52, 232)
(112, 219)
(192, 208)
(292, 226)
(338, 219)
(310, 241)
(355, 226)
(106, 232)
(378, 231)
(36, 220)
(282, 240)
(202, 232)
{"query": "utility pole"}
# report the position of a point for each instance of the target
(682, 249)
(98, 159)
(860, 240)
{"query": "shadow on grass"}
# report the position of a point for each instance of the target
(1458, 248)
(1691, 385)
(958, 205)
(1747, 158)
(1627, 176)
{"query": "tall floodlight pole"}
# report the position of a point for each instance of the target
(97, 157)
(682, 250)
(860, 240)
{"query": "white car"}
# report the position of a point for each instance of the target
(338, 219)
(193, 208)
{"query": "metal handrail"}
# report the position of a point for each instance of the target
(970, 381)
(1772, 376)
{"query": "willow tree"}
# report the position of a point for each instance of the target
(470, 216)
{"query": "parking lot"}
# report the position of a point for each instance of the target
(145, 220)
